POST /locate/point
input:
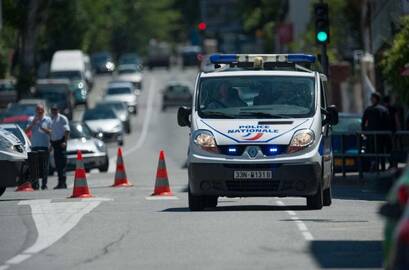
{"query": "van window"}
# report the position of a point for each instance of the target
(70, 75)
(256, 97)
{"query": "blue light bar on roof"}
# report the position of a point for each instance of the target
(266, 58)
(223, 58)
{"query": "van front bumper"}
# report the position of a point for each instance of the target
(293, 179)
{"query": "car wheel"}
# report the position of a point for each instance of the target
(211, 201)
(121, 142)
(128, 128)
(2, 189)
(104, 168)
(163, 108)
(196, 203)
(327, 200)
(315, 202)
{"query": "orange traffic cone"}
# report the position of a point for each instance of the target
(25, 187)
(120, 175)
(162, 183)
(80, 181)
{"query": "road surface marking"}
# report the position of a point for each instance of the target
(161, 198)
(300, 224)
(145, 127)
(53, 220)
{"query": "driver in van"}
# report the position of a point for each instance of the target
(226, 97)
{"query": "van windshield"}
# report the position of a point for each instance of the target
(256, 97)
(66, 74)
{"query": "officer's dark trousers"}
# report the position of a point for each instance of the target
(43, 159)
(60, 159)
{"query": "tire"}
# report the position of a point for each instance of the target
(196, 203)
(128, 128)
(211, 201)
(104, 168)
(315, 202)
(327, 199)
(2, 189)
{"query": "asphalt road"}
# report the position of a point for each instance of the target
(121, 228)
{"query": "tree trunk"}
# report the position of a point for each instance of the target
(28, 40)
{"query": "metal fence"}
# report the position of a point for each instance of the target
(373, 150)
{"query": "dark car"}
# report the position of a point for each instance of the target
(102, 62)
(60, 94)
(176, 94)
(191, 56)
(130, 59)
(121, 108)
(345, 139)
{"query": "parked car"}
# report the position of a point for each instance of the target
(94, 151)
(124, 92)
(102, 62)
(121, 109)
(191, 56)
(176, 94)
(8, 93)
(396, 230)
(130, 73)
(76, 83)
(56, 92)
(13, 156)
(349, 124)
(25, 107)
(104, 124)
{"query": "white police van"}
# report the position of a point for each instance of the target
(260, 126)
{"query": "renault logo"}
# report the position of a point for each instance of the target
(252, 151)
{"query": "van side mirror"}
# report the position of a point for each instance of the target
(183, 116)
(331, 116)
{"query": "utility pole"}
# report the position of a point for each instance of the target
(322, 33)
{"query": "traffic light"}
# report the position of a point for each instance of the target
(321, 23)
(202, 26)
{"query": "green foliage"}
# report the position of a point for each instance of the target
(394, 61)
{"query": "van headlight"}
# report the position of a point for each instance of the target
(205, 140)
(301, 140)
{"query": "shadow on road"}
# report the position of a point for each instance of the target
(242, 208)
(347, 254)
(356, 193)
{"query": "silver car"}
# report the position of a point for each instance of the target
(94, 151)
(124, 92)
(121, 110)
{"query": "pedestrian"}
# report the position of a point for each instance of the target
(376, 118)
(40, 127)
(394, 125)
(60, 130)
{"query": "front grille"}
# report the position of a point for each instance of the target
(240, 148)
(82, 152)
(253, 185)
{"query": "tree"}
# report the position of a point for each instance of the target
(394, 61)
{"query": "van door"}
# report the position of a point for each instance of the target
(326, 137)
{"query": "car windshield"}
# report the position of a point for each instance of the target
(256, 97)
(71, 75)
(21, 109)
(78, 131)
(16, 132)
(348, 124)
(51, 87)
(52, 96)
(127, 70)
(118, 106)
(6, 87)
(119, 91)
(99, 114)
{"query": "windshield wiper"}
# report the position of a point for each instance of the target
(262, 114)
(218, 114)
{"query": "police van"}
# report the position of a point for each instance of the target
(260, 126)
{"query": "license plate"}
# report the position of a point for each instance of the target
(253, 175)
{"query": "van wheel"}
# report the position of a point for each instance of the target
(327, 200)
(196, 203)
(2, 189)
(211, 201)
(315, 202)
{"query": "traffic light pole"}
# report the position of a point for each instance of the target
(324, 59)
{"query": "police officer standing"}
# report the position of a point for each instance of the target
(40, 126)
(60, 130)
